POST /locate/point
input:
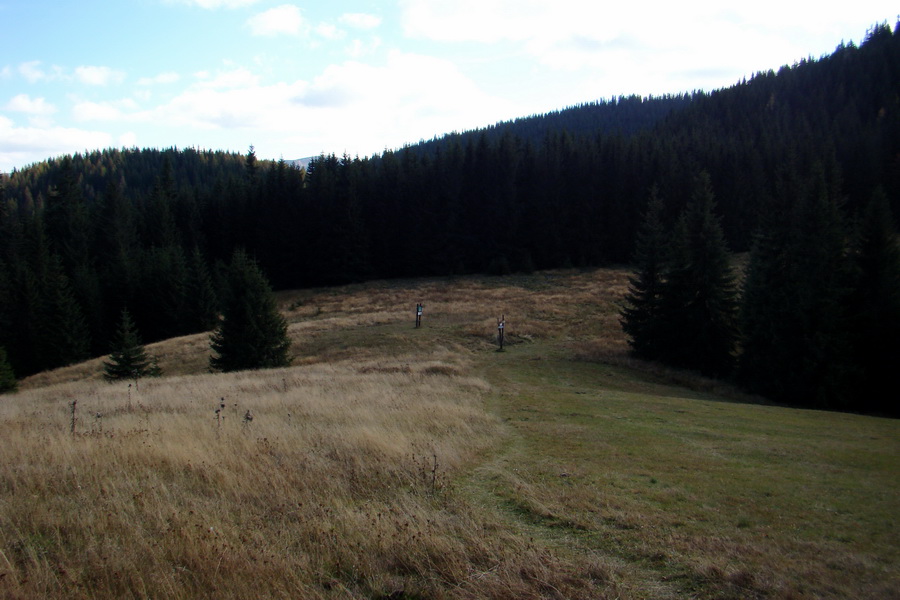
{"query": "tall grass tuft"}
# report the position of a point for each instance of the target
(339, 489)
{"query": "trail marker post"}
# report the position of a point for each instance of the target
(501, 324)
(419, 309)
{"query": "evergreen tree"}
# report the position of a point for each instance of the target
(202, 304)
(128, 359)
(641, 315)
(699, 298)
(161, 307)
(252, 334)
(7, 377)
(66, 218)
(250, 166)
(6, 298)
(50, 321)
(874, 321)
(793, 316)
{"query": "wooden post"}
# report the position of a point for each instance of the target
(501, 325)
(73, 404)
(419, 308)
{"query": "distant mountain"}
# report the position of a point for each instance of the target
(301, 163)
(622, 116)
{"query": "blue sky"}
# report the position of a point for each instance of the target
(297, 79)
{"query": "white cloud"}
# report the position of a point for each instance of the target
(96, 111)
(478, 20)
(360, 48)
(31, 71)
(410, 97)
(352, 106)
(329, 31)
(32, 106)
(360, 20)
(111, 110)
(235, 78)
(656, 45)
(285, 19)
(128, 140)
(101, 76)
(230, 100)
(161, 79)
(25, 145)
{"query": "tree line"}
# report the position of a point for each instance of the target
(812, 320)
(151, 231)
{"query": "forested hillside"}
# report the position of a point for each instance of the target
(85, 237)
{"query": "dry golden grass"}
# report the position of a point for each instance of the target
(342, 485)
(393, 462)
(339, 486)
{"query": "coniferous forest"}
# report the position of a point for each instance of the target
(797, 170)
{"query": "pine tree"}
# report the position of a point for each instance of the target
(252, 334)
(641, 315)
(7, 377)
(698, 307)
(128, 359)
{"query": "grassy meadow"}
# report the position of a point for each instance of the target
(394, 462)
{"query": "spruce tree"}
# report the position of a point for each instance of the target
(128, 359)
(64, 335)
(6, 296)
(7, 377)
(202, 304)
(251, 334)
(641, 315)
(874, 308)
(795, 347)
(698, 307)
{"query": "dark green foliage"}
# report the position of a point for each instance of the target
(202, 310)
(682, 302)
(163, 302)
(140, 228)
(698, 303)
(874, 313)
(66, 218)
(128, 359)
(7, 377)
(641, 317)
(793, 309)
(252, 334)
(47, 312)
(66, 336)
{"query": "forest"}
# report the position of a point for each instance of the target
(796, 170)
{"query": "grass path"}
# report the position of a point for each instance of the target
(670, 490)
(688, 494)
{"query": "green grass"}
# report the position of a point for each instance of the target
(712, 497)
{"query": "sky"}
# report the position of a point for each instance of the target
(358, 77)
